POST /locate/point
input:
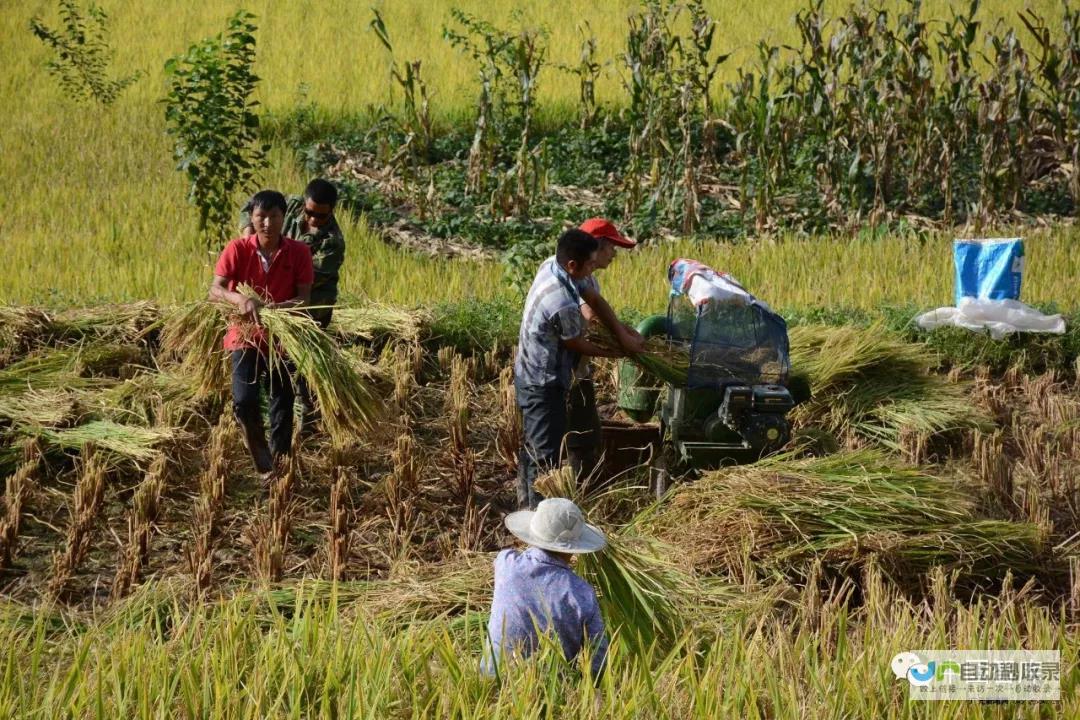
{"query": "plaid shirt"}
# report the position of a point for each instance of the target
(583, 368)
(534, 590)
(552, 313)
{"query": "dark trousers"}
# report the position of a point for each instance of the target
(251, 371)
(543, 419)
(583, 432)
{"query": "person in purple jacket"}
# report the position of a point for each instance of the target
(537, 593)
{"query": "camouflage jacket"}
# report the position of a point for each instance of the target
(327, 247)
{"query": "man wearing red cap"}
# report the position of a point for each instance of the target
(583, 421)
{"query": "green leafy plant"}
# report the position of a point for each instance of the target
(669, 78)
(587, 70)
(504, 109)
(81, 63)
(209, 110)
(416, 122)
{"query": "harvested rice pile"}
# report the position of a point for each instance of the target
(378, 321)
(867, 386)
(22, 329)
(783, 514)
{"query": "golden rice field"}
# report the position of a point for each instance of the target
(93, 209)
(792, 272)
(147, 571)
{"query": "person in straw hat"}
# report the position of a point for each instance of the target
(537, 592)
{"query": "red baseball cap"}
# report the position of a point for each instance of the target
(601, 228)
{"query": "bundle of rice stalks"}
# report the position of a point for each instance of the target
(783, 514)
(122, 441)
(44, 370)
(148, 398)
(868, 386)
(21, 328)
(420, 593)
(125, 323)
(79, 366)
(346, 402)
(643, 595)
(106, 359)
(377, 321)
(664, 360)
(42, 408)
(193, 335)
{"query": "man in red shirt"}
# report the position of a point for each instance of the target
(280, 270)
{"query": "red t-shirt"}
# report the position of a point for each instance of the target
(240, 263)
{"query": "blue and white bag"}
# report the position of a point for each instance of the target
(989, 269)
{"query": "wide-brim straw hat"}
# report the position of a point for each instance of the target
(557, 525)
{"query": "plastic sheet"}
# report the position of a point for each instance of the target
(1000, 317)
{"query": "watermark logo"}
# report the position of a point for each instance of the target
(980, 674)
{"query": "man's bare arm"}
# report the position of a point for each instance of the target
(583, 347)
(598, 308)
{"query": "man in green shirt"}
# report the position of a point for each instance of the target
(310, 219)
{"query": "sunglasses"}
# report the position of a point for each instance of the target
(316, 215)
